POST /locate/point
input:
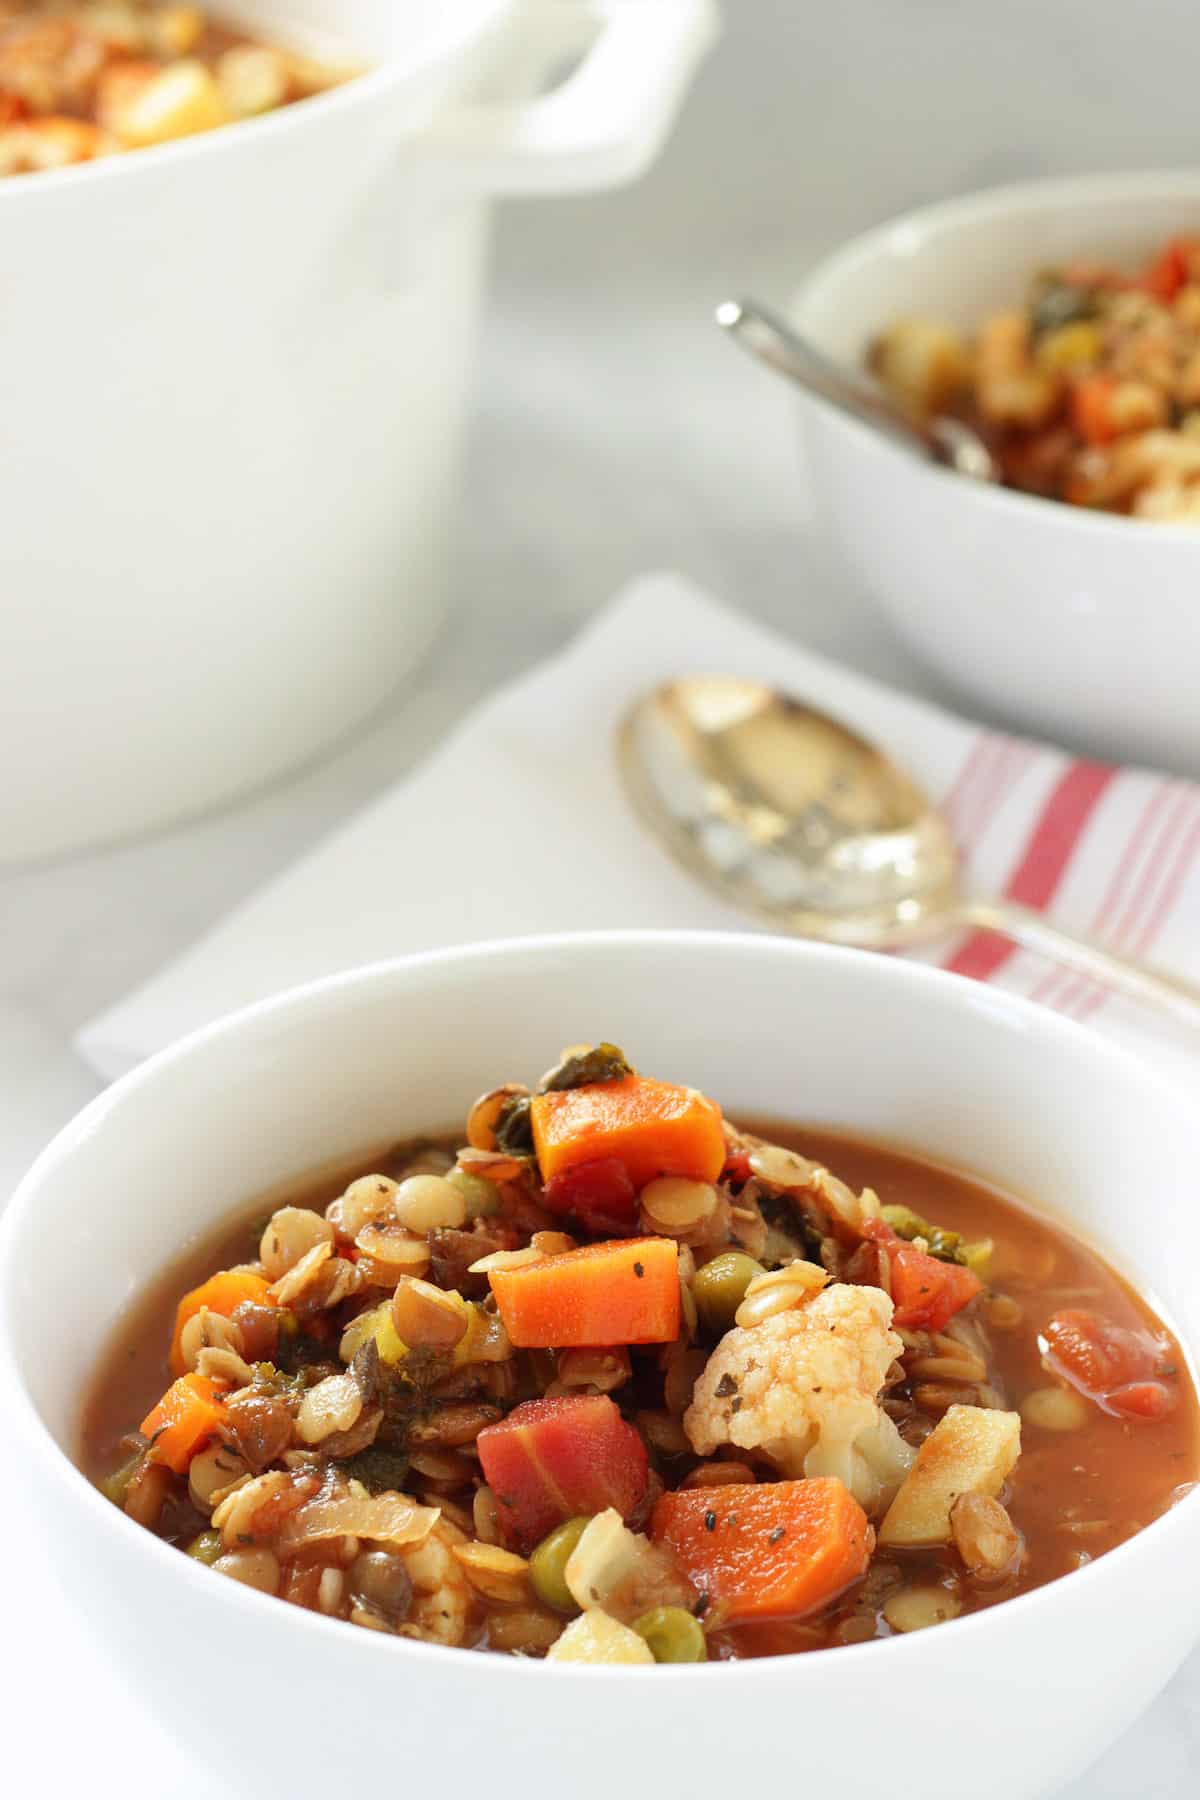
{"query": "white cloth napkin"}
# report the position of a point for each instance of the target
(518, 824)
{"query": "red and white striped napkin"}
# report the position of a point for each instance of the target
(518, 824)
(1112, 850)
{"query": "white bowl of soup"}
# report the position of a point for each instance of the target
(837, 1351)
(236, 361)
(1077, 622)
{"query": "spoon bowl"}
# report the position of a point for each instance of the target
(790, 815)
(787, 812)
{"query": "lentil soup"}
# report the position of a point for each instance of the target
(618, 1381)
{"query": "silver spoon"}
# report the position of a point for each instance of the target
(783, 812)
(766, 337)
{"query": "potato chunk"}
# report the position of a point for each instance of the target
(143, 105)
(594, 1637)
(922, 363)
(971, 1451)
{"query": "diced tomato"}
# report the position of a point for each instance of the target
(926, 1291)
(1141, 1400)
(1170, 270)
(598, 1195)
(1083, 274)
(1099, 1354)
(1117, 1366)
(737, 1166)
(551, 1460)
(1091, 408)
(1089, 1351)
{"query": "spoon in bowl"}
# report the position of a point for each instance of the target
(782, 811)
(945, 440)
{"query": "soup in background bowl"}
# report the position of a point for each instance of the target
(1088, 392)
(1074, 621)
(960, 1085)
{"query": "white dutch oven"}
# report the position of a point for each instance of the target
(233, 380)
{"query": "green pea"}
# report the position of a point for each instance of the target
(672, 1634)
(206, 1548)
(481, 1198)
(718, 1288)
(548, 1565)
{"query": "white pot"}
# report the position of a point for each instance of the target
(234, 371)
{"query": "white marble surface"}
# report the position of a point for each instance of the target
(614, 432)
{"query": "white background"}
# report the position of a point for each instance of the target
(614, 432)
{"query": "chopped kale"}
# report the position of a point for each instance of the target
(585, 1067)
(514, 1127)
(947, 1246)
(381, 1469)
(1056, 303)
(294, 1353)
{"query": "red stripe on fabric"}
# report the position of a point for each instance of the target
(972, 821)
(1143, 893)
(973, 807)
(966, 778)
(1169, 892)
(1062, 989)
(1015, 758)
(1048, 853)
(1088, 994)
(1011, 762)
(1167, 896)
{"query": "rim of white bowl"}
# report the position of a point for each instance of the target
(1010, 198)
(54, 1463)
(452, 38)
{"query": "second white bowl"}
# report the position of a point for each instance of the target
(1083, 626)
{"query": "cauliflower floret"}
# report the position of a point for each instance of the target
(802, 1387)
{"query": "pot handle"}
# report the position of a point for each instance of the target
(606, 122)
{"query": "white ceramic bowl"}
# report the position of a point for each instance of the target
(1081, 625)
(1005, 1704)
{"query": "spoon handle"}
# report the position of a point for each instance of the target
(1136, 980)
(775, 343)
